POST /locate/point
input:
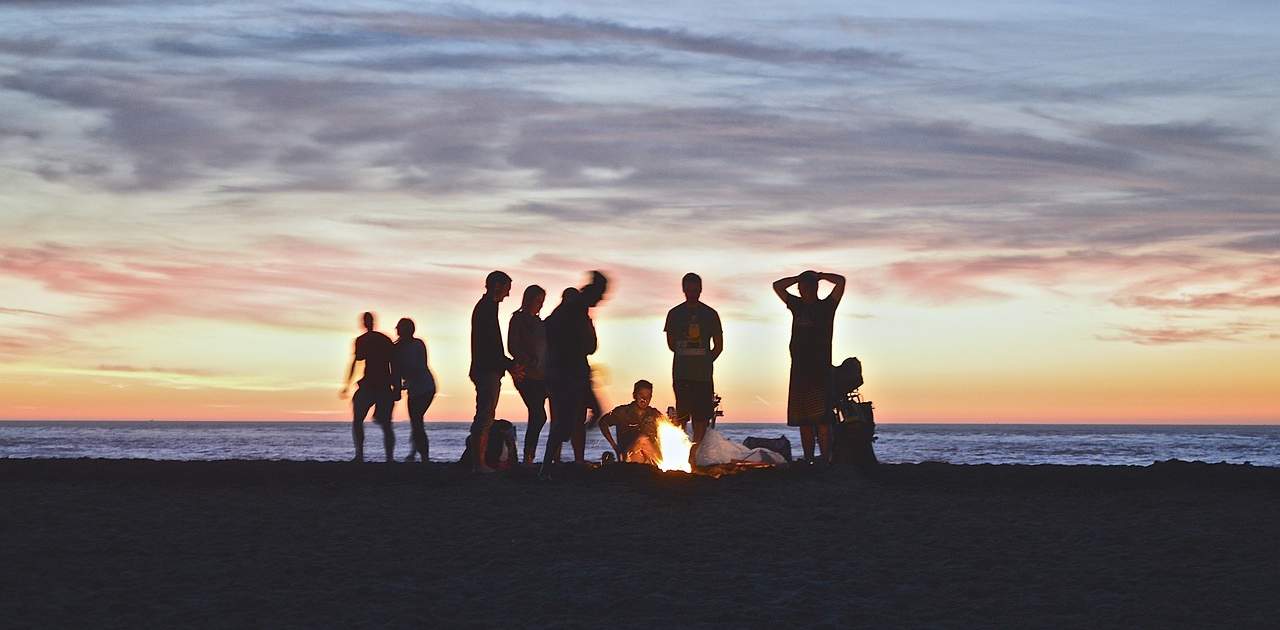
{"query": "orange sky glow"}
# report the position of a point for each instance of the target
(1063, 216)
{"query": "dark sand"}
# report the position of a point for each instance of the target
(132, 543)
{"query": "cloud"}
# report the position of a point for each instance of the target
(290, 282)
(1170, 335)
(525, 28)
(1205, 301)
(157, 371)
(1198, 138)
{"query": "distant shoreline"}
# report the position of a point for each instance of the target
(933, 423)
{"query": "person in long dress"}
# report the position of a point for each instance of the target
(809, 404)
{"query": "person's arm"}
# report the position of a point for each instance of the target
(521, 346)
(592, 343)
(605, 422)
(397, 371)
(671, 335)
(838, 291)
(593, 293)
(346, 383)
(717, 340)
(780, 287)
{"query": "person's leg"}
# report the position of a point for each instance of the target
(824, 441)
(360, 405)
(566, 407)
(579, 436)
(534, 394)
(382, 416)
(680, 389)
(488, 388)
(806, 441)
(701, 400)
(417, 432)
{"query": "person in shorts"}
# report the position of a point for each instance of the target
(375, 390)
(696, 340)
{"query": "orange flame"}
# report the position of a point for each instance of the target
(674, 446)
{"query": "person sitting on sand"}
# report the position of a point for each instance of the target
(374, 389)
(637, 427)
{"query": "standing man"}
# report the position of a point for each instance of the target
(696, 339)
(527, 336)
(488, 361)
(809, 404)
(374, 390)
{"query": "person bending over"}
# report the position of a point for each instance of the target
(809, 404)
(637, 426)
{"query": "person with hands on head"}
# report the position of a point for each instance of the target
(809, 404)
(637, 426)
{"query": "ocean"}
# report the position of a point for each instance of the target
(952, 443)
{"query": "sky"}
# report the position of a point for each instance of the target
(1046, 211)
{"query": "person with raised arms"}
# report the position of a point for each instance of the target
(809, 403)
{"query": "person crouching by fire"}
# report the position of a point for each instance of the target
(637, 425)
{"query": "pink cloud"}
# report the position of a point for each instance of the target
(1173, 335)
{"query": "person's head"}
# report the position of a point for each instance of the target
(808, 286)
(367, 320)
(405, 328)
(533, 298)
(692, 285)
(497, 285)
(642, 393)
(569, 294)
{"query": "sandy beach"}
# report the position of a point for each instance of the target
(131, 543)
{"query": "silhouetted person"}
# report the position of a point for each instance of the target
(488, 361)
(809, 403)
(571, 338)
(696, 339)
(375, 389)
(527, 339)
(410, 371)
(637, 426)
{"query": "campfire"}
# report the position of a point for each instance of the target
(673, 447)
